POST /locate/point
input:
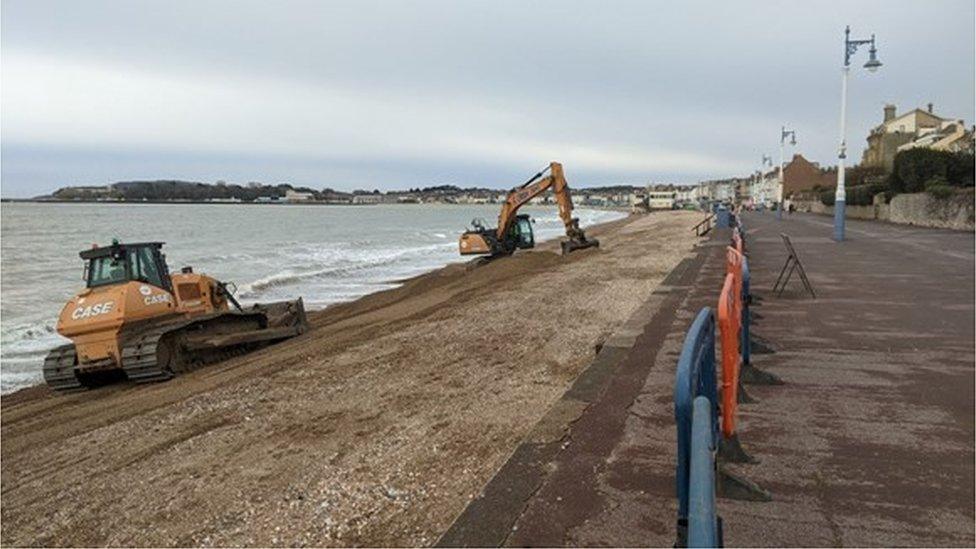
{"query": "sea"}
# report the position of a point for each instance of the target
(324, 254)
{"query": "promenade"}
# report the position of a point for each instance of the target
(869, 442)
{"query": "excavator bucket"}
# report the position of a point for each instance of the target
(572, 245)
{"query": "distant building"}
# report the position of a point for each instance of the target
(896, 131)
(763, 188)
(295, 196)
(334, 197)
(802, 175)
(723, 190)
(367, 199)
(688, 194)
(660, 200)
(593, 199)
(950, 135)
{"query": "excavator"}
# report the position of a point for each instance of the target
(135, 320)
(514, 231)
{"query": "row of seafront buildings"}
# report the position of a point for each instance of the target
(917, 128)
(615, 198)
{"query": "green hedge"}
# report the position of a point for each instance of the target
(915, 171)
(863, 195)
(914, 168)
(860, 195)
(939, 187)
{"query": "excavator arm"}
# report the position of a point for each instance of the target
(532, 188)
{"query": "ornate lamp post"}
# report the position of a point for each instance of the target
(850, 48)
(783, 134)
(766, 161)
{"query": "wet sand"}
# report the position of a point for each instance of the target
(374, 428)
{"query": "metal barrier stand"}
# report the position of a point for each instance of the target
(704, 524)
(695, 377)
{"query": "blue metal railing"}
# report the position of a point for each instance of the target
(695, 377)
(704, 525)
(745, 347)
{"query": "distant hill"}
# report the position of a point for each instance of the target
(177, 190)
(192, 191)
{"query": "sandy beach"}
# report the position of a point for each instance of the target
(374, 428)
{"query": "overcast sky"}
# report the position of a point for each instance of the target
(398, 94)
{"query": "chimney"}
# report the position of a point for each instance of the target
(889, 112)
(930, 108)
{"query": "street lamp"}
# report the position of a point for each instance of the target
(850, 48)
(783, 134)
(766, 161)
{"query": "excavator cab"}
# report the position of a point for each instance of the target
(521, 232)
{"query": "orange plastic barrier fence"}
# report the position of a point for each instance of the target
(733, 266)
(730, 324)
(737, 241)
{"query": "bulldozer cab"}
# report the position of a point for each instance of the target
(120, 263)
(521, 232)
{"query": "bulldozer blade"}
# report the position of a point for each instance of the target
(284, 314)
(570, 246)
(251, 336)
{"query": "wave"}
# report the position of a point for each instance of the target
(30, 330)
(11, 381)
(350, 264)
(24, 346)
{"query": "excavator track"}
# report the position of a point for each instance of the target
(59, 369)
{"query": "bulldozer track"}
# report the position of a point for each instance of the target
(139, 356)
(59, 369)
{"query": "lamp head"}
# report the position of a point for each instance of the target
(873, 64)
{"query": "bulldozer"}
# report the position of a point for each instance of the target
(135, 320)
(514, 231)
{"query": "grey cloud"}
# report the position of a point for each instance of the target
(698, 89)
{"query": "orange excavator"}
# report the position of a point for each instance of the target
(514, 230)
(135, 320)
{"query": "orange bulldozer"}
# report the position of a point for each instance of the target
(135, 320)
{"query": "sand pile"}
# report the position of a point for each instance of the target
(375, 428)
